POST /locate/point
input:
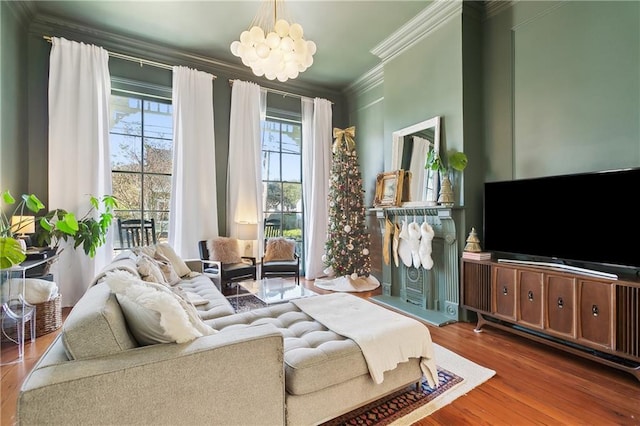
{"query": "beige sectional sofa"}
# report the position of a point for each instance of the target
(270, 366)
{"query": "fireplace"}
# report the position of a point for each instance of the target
(430, 295)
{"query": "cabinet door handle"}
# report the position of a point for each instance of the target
(560, 303)
(504, 290)
(530, 296)
(594, 310)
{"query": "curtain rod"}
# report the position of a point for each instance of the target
(279, 92)
(133, 59)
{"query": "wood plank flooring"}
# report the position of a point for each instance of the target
(533, 385)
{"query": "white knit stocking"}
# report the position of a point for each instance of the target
(396, 243)
(414, 243)
(427, 235)
(404, 247)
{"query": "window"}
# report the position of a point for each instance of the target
(282, 180)
(141, 143)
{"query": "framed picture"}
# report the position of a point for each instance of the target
(389, 188)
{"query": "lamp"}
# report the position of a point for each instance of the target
(247, 232)
(23, 225)
(273, 47)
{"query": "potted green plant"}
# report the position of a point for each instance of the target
(56, 225)
(11, 252)
(456, 161)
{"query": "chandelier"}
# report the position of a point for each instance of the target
(273, 46)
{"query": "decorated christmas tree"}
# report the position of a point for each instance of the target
(347, 246)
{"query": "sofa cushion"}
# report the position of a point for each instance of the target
(279, 248)
(224, 250)
(154, 313)
(96, 326)
(201, 285)
(314, 356)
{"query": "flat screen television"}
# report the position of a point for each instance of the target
(587, 220)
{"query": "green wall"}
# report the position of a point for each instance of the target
(14, 172)
(562, 88)
(531, 89)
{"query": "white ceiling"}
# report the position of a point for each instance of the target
(345, 31)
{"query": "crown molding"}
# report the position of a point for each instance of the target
(371, 79)
(48, 25)
(22, 10)
(424, 23)
(495, 7)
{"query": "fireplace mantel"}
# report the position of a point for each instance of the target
(430, 295)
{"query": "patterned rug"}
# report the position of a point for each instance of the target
(456, 375)
(393, 407)
(245, 302)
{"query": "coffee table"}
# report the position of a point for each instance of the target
(276, 290)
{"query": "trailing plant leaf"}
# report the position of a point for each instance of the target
(11, 252)
(458, 161)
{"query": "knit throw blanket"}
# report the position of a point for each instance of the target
(386, 338)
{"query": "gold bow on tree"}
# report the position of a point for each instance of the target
(344, 137)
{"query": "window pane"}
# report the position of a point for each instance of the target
(126, 189)
(158, 120)
(271, 136)
(292, 197)
(125, 153)
(162, 225)
(158, 155)
(289, 144)
(274, 197)
(156, 192)
(126, 115)
(270, 165)
(291, 170)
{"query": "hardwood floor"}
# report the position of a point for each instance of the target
(533, 385)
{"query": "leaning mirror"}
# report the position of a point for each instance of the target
(409, 152)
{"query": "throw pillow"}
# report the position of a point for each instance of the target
(169, 274)
(153, 313)
(178, 264)
(224, 250)
(149, 269)
(279, 248)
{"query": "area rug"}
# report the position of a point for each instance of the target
(456, 375)
(348, 284)
(245, 302)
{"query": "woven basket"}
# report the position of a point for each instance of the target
(48, 317)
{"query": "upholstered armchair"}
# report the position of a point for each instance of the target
(222, 262)
(280, 259)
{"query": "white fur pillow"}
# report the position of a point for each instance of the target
(279, 248)
(224, 250)
(154, 314)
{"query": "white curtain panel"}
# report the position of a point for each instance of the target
(244, 173)
(79, 162)
(418, 173)
(316, 166)
(194, 207)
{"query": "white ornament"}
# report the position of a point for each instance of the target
(354, 276)
(350, 246)
(365, 252)
(324, 257)
(347, 228)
